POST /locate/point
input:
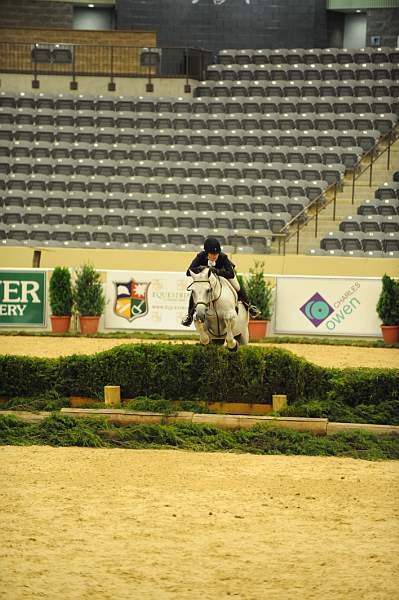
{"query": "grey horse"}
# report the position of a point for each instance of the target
(218, 316)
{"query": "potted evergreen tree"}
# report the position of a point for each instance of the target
(61, 300)
(388, 310)
(89, 298)
(259, 293)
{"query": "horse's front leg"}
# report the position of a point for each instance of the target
(229, 319)
(200, 327)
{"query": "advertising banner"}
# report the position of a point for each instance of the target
(146, 300)
(22, 298)
(327, 305)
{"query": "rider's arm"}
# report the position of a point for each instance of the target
(226, 269)
(196, 265)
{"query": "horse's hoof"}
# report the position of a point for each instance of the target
(234, 349)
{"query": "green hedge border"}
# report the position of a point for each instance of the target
(62, 430)
(193, 372)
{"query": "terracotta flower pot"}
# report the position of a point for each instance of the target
(60, 324)
(88, 324)
(257, 329)
(390, 333)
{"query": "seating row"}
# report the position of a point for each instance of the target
(67, 107)
(309, 56)
(214, 155)
(337, 88)
(302, 72)
(383, 122)
(98, 203)
(240, 137)
(19, 170)
(163, 185)
(356, 240)
(115, 237)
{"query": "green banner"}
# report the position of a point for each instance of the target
(22, 298)
(361, 4)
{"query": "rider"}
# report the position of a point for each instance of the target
(213, 257)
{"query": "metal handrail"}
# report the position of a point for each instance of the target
(106, 60)
(374, 153)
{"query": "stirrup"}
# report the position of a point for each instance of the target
(253, 310)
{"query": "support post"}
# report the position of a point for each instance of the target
(371, 172)
(335, 201)
(279, 401)
(112, 395)
(37, 254)
(390, 141)
(111, 84)
(297, 236)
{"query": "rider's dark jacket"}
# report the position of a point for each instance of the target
(224, 267)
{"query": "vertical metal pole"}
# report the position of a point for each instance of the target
(371, 172)
(111, 85)
(149, 87)
(389, 151)
(297, 236)
(35, 82)
(316, 222)
(335, 201)
(74, 84)
(187, 86)
(353, 185)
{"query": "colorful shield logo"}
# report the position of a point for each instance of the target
(131, 299)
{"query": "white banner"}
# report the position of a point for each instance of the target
(327, 305)
(146, 300)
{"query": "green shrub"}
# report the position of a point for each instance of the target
(88, 292)
(50, 401)
(27, 376)
(60, 292)
(62, 430)
(364, 386)
(259, 291)
(388, 302)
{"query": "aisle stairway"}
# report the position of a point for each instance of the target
(344, 205)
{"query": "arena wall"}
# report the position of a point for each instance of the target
(16, 257)
(124, 86)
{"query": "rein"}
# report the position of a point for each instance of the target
(213, 300)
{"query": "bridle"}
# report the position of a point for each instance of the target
(213, 300)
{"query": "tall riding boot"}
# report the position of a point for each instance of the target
(251, 308)
(188, 319)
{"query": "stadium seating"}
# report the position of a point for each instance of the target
(265, 135)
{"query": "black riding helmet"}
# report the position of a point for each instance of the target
(212, 245)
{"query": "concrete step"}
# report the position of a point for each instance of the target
(344, 204)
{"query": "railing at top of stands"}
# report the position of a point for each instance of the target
(110, 61)
(301, 219)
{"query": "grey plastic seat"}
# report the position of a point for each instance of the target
(390, 242)
(387, 206)
(332, 241)
(388, 191)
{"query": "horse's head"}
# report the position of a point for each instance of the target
(201, 288)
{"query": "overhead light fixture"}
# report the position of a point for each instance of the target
(90, 5)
